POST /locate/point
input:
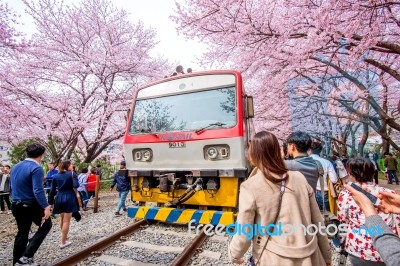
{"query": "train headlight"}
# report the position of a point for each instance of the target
(212, 153)
(138, 156)
(147, 155)
(216, 152)
(142, 155)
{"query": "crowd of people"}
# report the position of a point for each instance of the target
(290, 186)
(67, 191)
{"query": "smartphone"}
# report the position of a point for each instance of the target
(375, 201)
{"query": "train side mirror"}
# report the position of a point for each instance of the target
(249, 107)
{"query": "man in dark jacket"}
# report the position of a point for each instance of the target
(49, 177)
(123, 188)
(298, 144)
(391, 165)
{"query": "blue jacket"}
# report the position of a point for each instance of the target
(26, 182)
(50, 174)
(123, 183)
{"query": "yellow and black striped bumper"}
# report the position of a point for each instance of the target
(182, 216)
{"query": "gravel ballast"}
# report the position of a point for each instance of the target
(94, 226)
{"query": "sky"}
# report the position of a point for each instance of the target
(154, 14)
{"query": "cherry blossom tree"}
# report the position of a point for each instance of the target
(277, 42)
(10, 38)
(76, 79)
(11, 42)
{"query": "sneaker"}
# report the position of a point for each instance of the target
(66, 244)
(26, 261)
(124, 209)
(117, 214)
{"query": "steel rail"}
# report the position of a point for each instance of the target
(83, 254)
(184, 258)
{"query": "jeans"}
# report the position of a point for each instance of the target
(90, 194)
(6, 198)
(392, 174)
(84, 198)
(25, 214)
(318, 196)
(122, 198)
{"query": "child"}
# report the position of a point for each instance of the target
(91, 186)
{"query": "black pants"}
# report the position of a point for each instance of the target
(5, 198)
(24, 215)
(376, 176)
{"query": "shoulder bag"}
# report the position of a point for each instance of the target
(77, 214)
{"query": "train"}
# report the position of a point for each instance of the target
(185, 147)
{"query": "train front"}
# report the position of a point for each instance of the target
(185, 148)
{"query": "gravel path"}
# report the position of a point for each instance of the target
(94, 226)
(90, 229)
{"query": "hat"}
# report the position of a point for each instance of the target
(123, 163)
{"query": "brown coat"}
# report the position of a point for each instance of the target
(391, 163)
(258, 202)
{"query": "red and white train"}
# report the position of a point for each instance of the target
(185, 146)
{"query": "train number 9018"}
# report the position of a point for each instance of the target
(177, 144)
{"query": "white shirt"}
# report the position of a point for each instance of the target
(328, 170)
(341, 169)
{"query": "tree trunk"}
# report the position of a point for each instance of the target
(353, 142)
(71, 149)
(385, 142)
(363, 139)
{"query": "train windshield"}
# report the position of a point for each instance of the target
(185, 112)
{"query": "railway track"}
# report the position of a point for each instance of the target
(98, 249)
(189, 251)
(100, 245)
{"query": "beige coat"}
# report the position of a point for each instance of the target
(258, 202)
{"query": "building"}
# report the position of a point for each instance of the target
(5, 150)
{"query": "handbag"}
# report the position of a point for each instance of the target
(77, 214)
(338, 186)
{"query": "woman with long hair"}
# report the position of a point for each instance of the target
(272, 197)
(65, 203)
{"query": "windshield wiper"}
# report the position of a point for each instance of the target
(218, 124)
(148, 131)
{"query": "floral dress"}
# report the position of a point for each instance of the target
(358, 241)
